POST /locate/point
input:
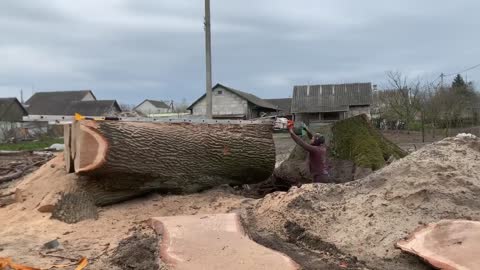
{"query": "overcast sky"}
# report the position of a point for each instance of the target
(130, 50)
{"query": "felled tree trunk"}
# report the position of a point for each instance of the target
(124, 159)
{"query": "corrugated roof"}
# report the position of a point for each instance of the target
(157, 103)
(330, 98)
(249, 97)
(94, 108)
(7, 108)
(283, 104)
(54, 103)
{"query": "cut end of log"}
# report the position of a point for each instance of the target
(92, 154)
(449, 244)
(67, 152)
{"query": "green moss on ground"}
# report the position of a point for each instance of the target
(356, 140)
(30, 145)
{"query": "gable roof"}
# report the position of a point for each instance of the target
(157, 103)
(249, 97)
(54, 103)
(283, 104)
(93, 108)
(7, 106)
(330, 98)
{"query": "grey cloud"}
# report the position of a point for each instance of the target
(131, 50)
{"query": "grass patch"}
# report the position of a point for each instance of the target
(30, 145)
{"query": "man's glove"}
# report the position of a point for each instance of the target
(290, 124)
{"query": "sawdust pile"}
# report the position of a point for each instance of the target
(366, 218)
(25, 228)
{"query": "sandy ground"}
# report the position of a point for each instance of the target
(367, 217)
(362, 219)
(25, 229)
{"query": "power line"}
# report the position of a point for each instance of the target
(455, 73)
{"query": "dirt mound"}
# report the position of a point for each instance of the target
(366, 218)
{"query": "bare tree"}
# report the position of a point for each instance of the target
(126, 107)
(454, 104)
(431, 106)
(181, 107)
(402, 97)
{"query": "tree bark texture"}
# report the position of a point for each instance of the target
(125, 159)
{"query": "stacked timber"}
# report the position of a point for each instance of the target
(120, 160)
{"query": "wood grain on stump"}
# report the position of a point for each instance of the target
(449, 244)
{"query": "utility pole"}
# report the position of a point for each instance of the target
(21, 96)
(208, 54)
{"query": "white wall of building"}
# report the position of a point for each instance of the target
(358, 110)
(148, 108)
(224, 103)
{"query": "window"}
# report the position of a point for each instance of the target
(219, 92)
(331, 116)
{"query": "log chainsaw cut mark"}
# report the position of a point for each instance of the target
(93, 153)
(214, 242)
(447, 245)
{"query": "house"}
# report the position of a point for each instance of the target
(283, 105)
(149, 106)
(229, 103)
(11, 117)
(320, 103)
(11, 110)
(69, 103)
(94, 108)
(55, 103)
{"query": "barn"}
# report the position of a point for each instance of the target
(324, 103)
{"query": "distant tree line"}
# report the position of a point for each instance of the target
(417, 104)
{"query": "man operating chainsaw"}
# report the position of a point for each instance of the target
(317, 150)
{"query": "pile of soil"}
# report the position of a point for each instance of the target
(365, 218)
